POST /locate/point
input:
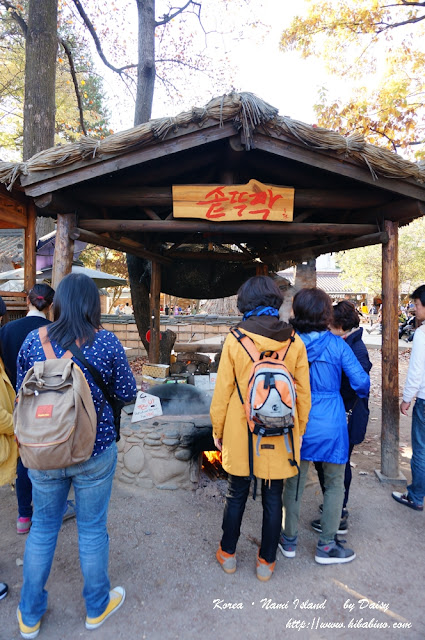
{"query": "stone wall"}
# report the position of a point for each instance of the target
(162, 453)
(188, 329)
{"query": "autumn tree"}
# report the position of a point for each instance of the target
(173, 33)
(109, 261)
(178, 33)
(362, 268)
(79, 96)
(377, 48)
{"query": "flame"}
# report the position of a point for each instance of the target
(213, 456)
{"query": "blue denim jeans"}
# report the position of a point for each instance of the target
(237, 494)
(416, 490)
(92, 482)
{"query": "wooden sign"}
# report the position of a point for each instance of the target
(146, 406)
(227, 203)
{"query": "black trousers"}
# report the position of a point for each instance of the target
(237, 494)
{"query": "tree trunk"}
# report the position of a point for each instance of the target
(166, 344)
(40, 78)
(146, 61)
(139, 279)
(139, 284)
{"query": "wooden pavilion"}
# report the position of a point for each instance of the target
(17, 211)
(343, 193)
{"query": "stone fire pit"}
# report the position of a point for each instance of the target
(163, 452)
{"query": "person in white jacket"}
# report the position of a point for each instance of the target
(415, 388)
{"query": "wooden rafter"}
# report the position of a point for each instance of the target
(201, 226)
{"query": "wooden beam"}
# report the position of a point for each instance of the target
(394, 210)
(181, 347)
(13, 294)
(390, 392)
(62, 202)
(340, 245)
(12, 212)
(341, 165)
(201, 226)
(38, 182)
(29, 248)
(151, 214)
(210, 255)
(64, 248)
(118, 196)
(154, 301)
(125, 245)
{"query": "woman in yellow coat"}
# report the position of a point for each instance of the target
(259, 300)
(8, 446)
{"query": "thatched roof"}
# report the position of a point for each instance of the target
(246, 112)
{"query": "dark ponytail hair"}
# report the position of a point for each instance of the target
(76, 311)
(41, 296)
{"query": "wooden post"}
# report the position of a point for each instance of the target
(154, 312)
(29, 248)
(64, 247)
(261, 269)
(305, 275)
(390, 392)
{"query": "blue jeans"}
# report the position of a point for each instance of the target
(237, 494)
(416, 490)
(92, 482)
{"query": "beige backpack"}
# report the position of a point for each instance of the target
(54, 416)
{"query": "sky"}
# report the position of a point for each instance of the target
(285, 80)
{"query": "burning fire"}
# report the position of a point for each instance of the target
(213, 456)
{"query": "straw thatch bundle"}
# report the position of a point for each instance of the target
(247, 112)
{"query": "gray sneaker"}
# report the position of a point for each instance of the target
(287, 545)
(333, 553)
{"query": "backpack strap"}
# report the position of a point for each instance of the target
(291, 340)
(254, 354)
(114, 402)
(247, 343)
(47, 345)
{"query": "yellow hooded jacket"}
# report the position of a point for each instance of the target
(228, 415)
(8, 446)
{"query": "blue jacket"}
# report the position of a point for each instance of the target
(326, 436)
(359, 418)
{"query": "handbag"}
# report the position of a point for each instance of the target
(115, 403)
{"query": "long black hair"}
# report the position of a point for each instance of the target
(76, 311)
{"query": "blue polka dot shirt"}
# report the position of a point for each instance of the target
(107, 355)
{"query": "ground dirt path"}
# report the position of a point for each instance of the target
(162, 550)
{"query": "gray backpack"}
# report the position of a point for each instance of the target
(54, 417)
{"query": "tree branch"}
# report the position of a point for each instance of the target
(16, 16)
(412, 144)
(68, 52)
(394, 25)
(390, 140)
(168, 17)
(96, 40)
